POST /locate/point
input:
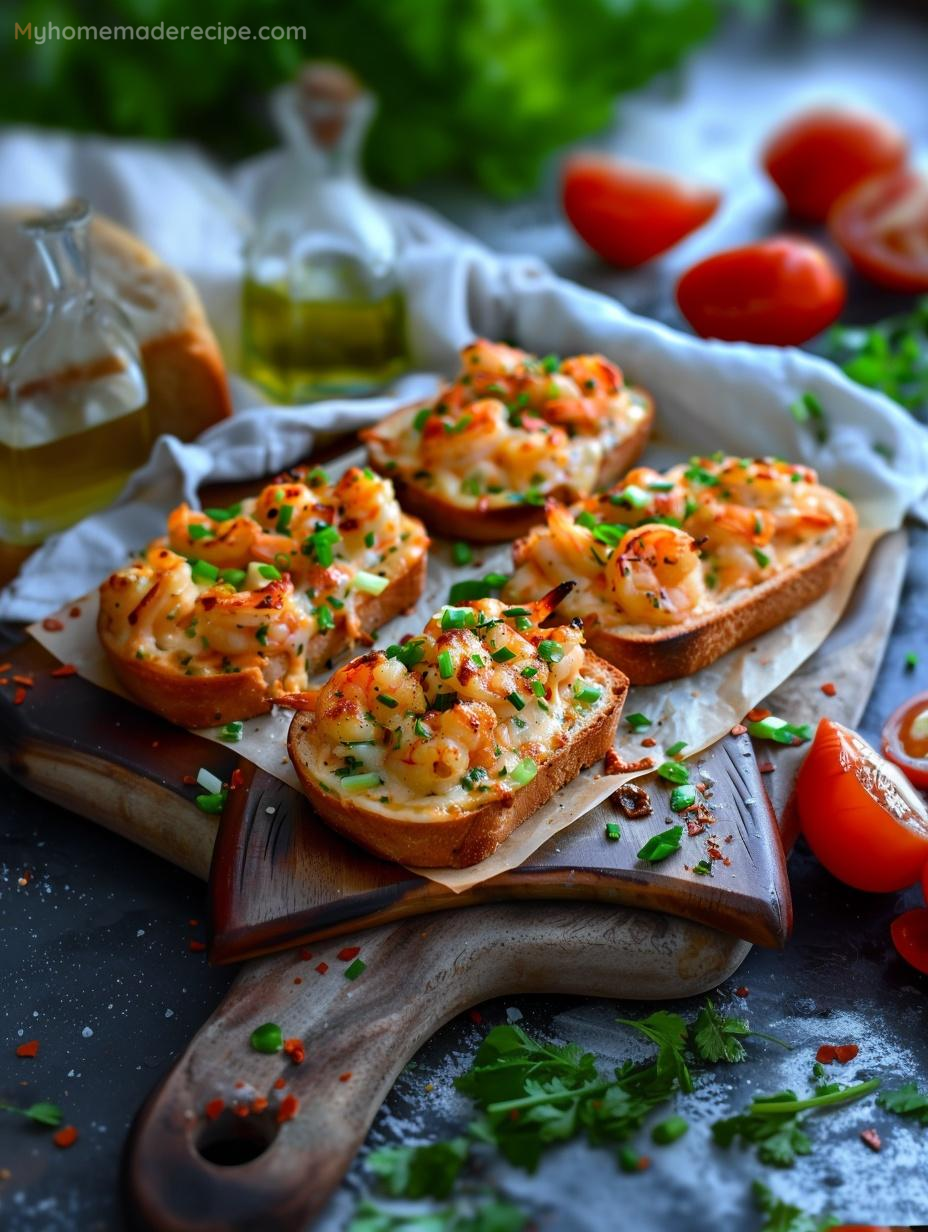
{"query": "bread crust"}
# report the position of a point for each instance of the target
(501, 524)
(208, 701)
(459, 841)
(681, 650)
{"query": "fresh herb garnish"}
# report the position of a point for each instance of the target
(42, 1113)
(662, 845)
(637, 721)
(419, 1171)
(907, 1101)
(783, 1217)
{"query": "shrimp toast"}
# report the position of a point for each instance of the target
(432, 752)
(675, 569)
(237, 606)
(511, 431)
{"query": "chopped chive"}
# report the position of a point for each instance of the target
(409, 653)
(232, 732)
(662, 845)
(369, 583)
(515, 611)
(537, 688)
(324, 618)
(445, 665)
(202, 571)
(676, 748)
(353, 783)
(517, 701)
(461, 553)
(418, 422)
(234, 577)
(421, 730)
(761, 557)
(524, 772)
(386, 700)
(369, 539)
(283, 519)
(503, 655)
(271, 572)
(703, 868)
(261, 634)
(355, 969)
(637, 721)
(911, 661)
(197, 530)
(444, 701)
(673, 772)
(550, 651)
(682, 797)
(528, 672)
(612, 830)
(458, 618)
(587, 693)
(223, 515)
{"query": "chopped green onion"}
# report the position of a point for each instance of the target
(772, 728)
(662, 845)
(202, 571)
(261, 634)
(525, 771)
(682, 797)
(214, 802)
(197, 530)
(587, 693)
(223, 515)
(283, 519)
(703, 868)
(353, 783)
(477, 588)
(523, 623)
(232, 732)
(409, 653)
(550, 364)
(634, 497)
(418, 422)
(444, 701)
(324, 618)
(637, 721)
(355, 969)
(517, 701)
(267, 1038)
(669, 1131)
(369, 583)
(421, 730)
(676, 748)
(673, 772)
(537, 688)
(528, 672)
(503, 655)
(270, 572)
(612, 830)
(911, 661)
(234, 577)
(461, 553)
(761, 557)
(515, 611)
(208, 781)
(445, 665)
(550, 651)
(665, 485)
(698, 474)
(386, 700)
(458, 618)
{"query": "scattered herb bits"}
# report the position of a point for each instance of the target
(682, 797)
(666, 1132)
(613, 830)
(660, 846)
(232, 732)
(355, 969)
(637, 722)
(267, 1038)
(461, 553)
(673, 772)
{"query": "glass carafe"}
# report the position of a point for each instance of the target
(323, 311)
(73, 416)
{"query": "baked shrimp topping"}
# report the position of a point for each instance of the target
(252, 584)
(658, 549)
(512, 428)
(461, 715)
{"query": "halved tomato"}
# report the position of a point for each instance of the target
(781, 291)
(910, 937)
(628, 213)
(882, 225)
(860, 815)
(905, 739)
(819, 154)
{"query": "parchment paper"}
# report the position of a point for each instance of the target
(698, 710)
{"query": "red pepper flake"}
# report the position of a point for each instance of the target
(845, 1053)
(19, 697)
(193, 923)
(5, 667)
(259, 1104)
(197, 947)
(475, 1016)
(322, 968)
(739, 729)
(28, 1050)
(295, 1051)
(298, 980)
(306, 955)
(628, 767)
(349, 952)
(758, 713)
(4, 680)
(188, 780)
(213, 1109)
(65, 1137)
(74, 613)
(241, 1110)
(289, 1107)
(52, 625)
(829, 690)
(644, 1163)
(66, 669)
(279, 1084)
(236, 780)
(826, 1054)
(870, 1138)
(743, 991)
(239, 1085)
(648, 742)
(26, 681)
(766, 767)
(345, 1077)
(695, 827)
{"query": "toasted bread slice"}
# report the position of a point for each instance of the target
(479, 461)
(430, 753)
(652, 644)
(205, 630)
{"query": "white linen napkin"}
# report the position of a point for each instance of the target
(709, 395)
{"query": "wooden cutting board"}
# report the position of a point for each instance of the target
(107, 760)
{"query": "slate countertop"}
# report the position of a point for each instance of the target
(94, 947)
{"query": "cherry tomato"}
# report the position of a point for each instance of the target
(819, 154)
(910, 937)
(628, 213)
(905, 739)
(860, 815)
(782, 291)
(882, 225)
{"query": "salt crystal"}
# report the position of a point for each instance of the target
(169, 1013)
(87, 1032)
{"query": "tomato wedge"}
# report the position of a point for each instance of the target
(782, 291)
(905, 739)
(819, 154)
(628, 213)
(859, 814)
(882, 225)
(910, 937)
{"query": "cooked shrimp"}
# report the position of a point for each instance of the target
(246, 621)
(594, 375)
(227, 544)
(458, 739)
(491, 359)
(721, 523)
(533, 453)
(366, 506)
(662, 502)
(567, 543)
(655, 575)
(471, 437)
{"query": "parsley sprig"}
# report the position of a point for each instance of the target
(907, 1101)
(492, 1216)
(427, 1171)
(42, 1113)
(783, 1217)
(891, 356)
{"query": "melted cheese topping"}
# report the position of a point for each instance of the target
(511, 429)
(660, 549)
(249, 586)
(463, 715)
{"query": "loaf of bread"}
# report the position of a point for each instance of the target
(187, 385)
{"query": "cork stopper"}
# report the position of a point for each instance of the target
(327, 94)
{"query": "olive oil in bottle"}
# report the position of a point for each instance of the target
(323, 311)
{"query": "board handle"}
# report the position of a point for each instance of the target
(185, 1172)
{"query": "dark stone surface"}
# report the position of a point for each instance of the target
(98, 938)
